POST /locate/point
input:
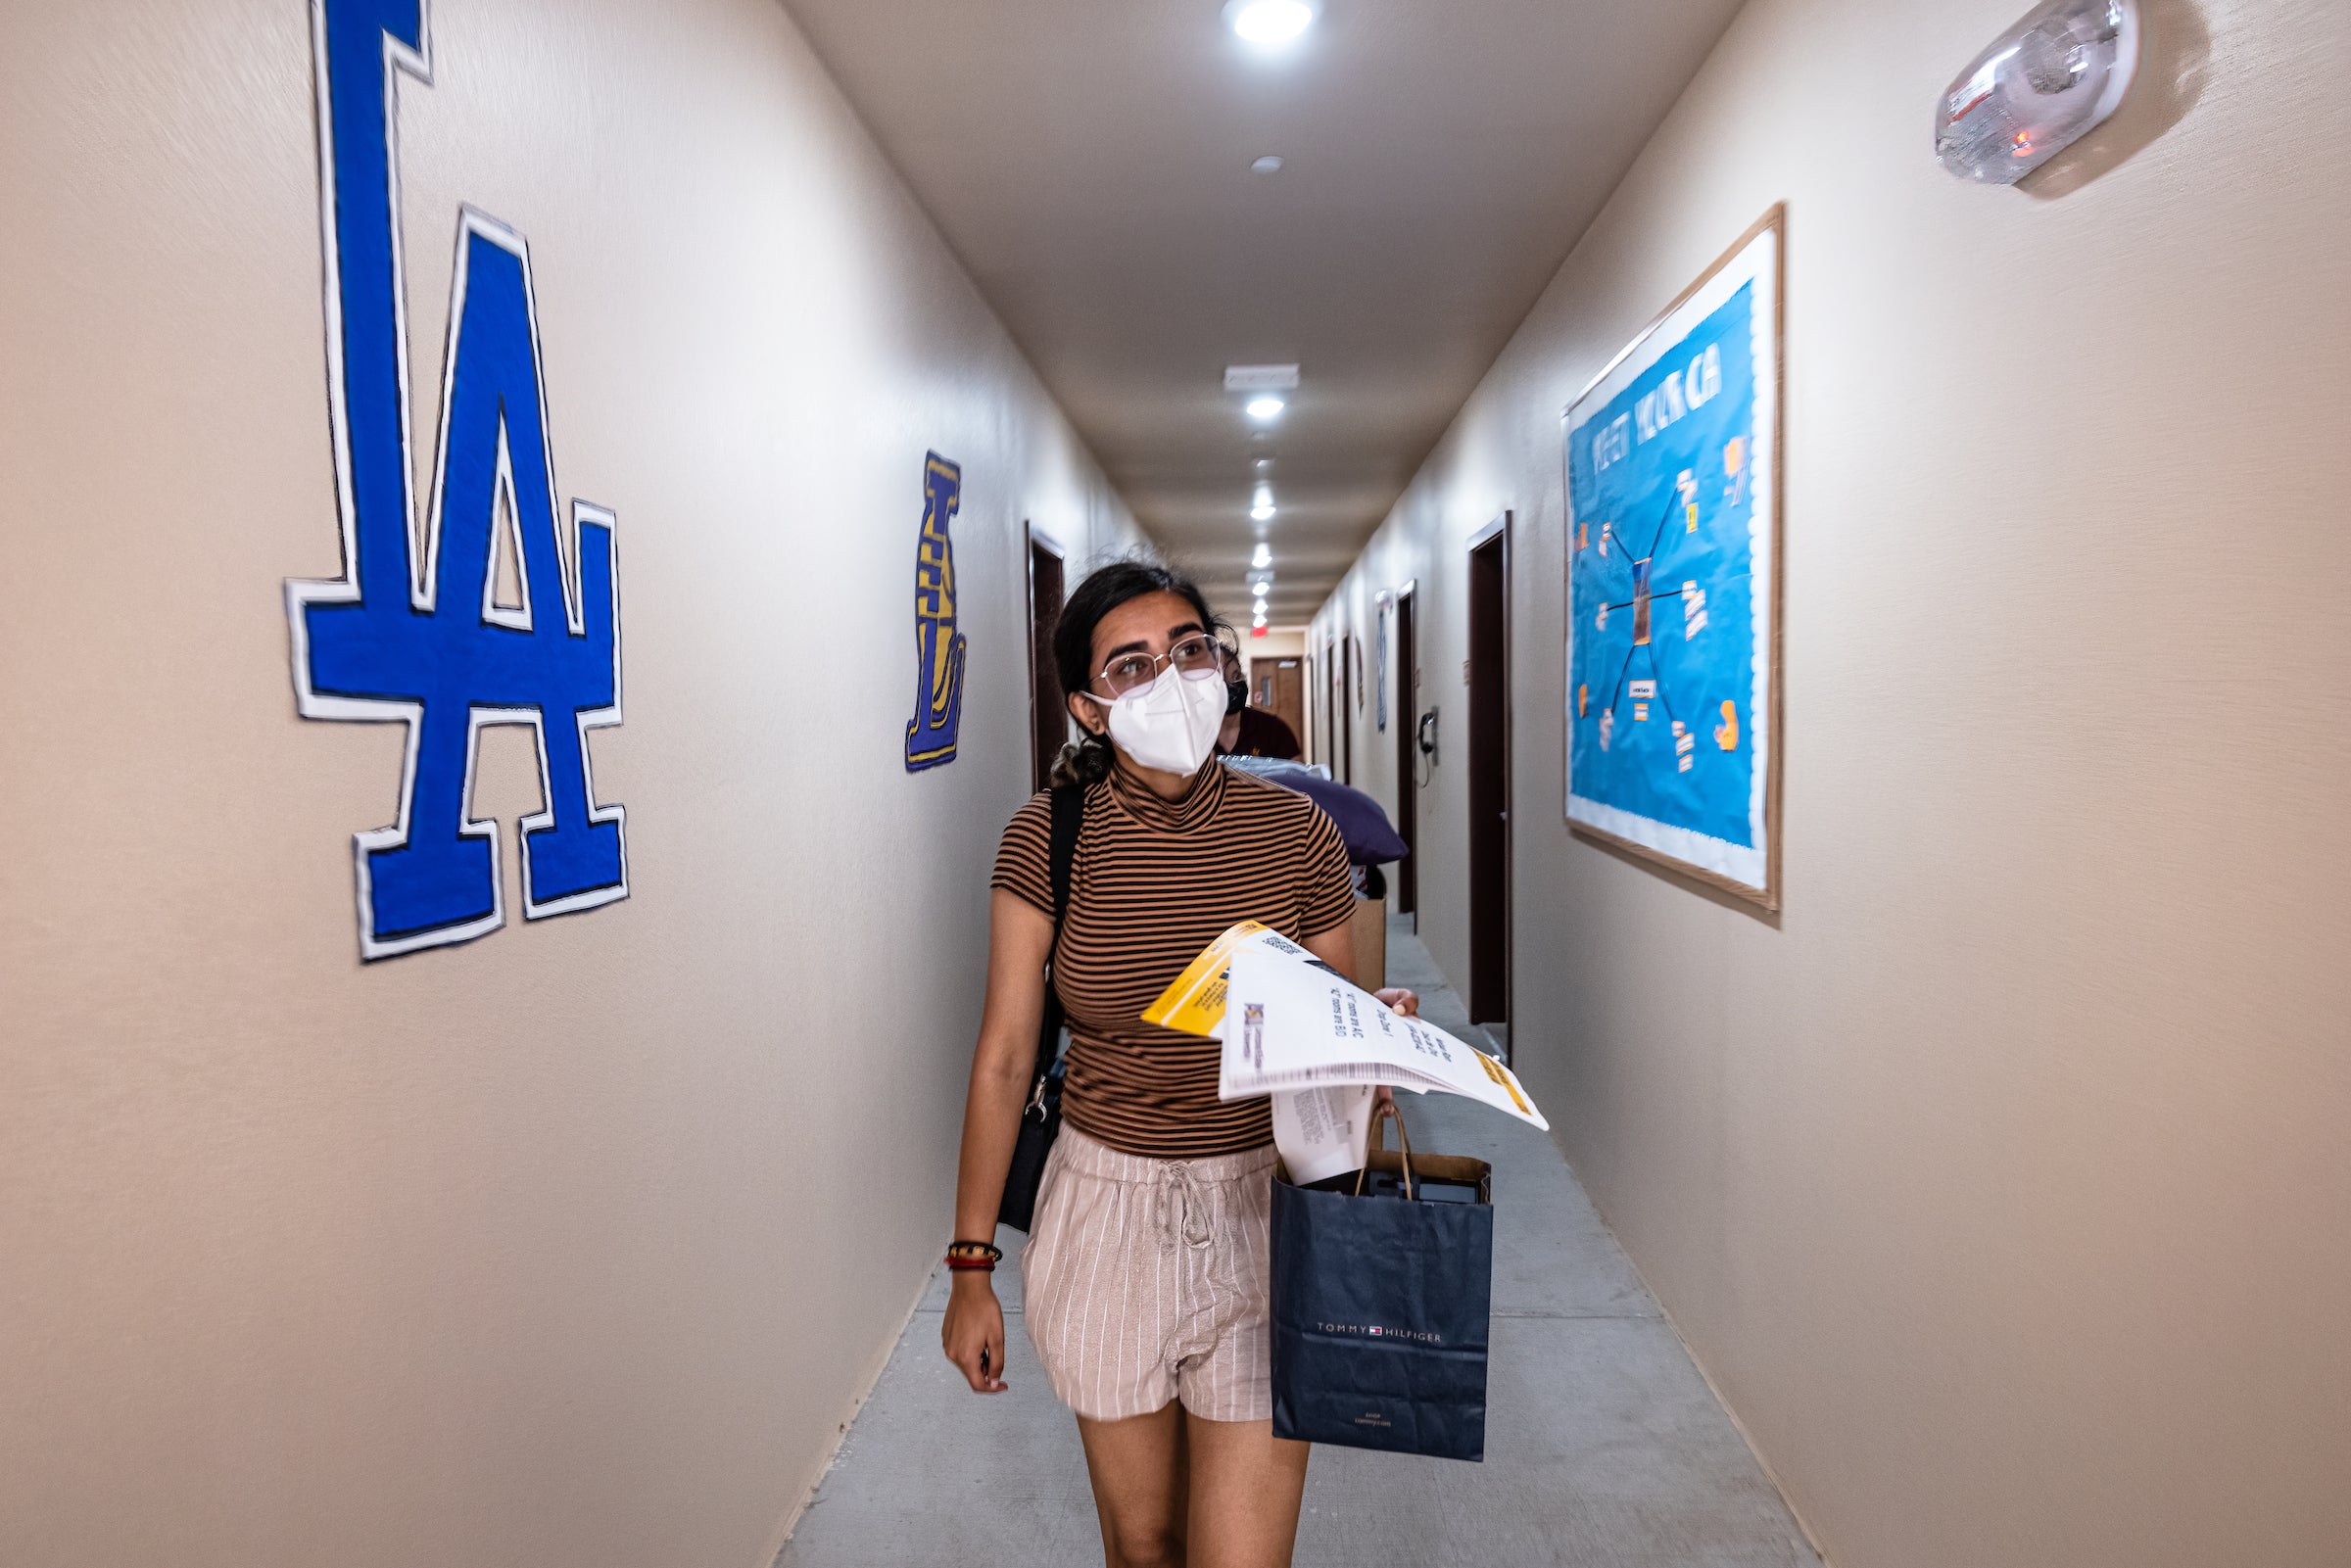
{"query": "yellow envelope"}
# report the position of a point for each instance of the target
(1195, 1003)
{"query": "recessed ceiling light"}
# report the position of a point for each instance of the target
(1270, 164)
(1264, 462)
(1263, 513)
(1263, 556)
(1265, 409)
(1269, 22)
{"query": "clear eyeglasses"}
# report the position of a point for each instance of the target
(1197, 658)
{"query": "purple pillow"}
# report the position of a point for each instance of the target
(1363, 826)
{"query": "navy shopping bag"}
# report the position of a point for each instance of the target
(1380, 1304)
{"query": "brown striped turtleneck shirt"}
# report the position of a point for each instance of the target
(1155, 881)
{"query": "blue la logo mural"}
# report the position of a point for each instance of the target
(413, 632)
(937, 646)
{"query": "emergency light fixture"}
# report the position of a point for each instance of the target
(2047, 82)
(1260, 378)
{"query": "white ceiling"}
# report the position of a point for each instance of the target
(1089, 162)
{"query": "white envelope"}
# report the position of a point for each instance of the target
(1293, 1023)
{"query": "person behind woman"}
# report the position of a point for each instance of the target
(1145, 1277)
(1250, 730)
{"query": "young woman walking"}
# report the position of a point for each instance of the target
(1145, 1277)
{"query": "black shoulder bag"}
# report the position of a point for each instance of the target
(1040, 1118)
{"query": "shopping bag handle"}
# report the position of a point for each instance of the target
(1377, 1139)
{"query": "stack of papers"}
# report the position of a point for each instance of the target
(1293, 1028)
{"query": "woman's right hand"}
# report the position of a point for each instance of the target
(972, 1333)
(1020, 940)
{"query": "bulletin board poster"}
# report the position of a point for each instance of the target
(1674, 517)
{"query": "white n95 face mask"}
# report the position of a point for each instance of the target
(1171, 724)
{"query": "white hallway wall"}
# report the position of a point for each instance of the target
(2000, 1183)
(573, 1245)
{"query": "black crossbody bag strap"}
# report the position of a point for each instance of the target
(1040, 1116)
(1069, 817)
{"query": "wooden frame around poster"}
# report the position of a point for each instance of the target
(1767, 894)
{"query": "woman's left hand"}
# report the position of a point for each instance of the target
(1407, 1004)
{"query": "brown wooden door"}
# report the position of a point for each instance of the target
(1280, 689)
(1048, 707)
(1328, 750)
(1490, 777)
(1345, 770)
(1311, 734)
(1405, 714)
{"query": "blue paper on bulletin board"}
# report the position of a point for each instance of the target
(1671, 501)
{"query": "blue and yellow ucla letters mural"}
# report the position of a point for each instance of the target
(937, 646)
(426, 642)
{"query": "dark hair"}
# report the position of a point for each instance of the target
(1104, 589)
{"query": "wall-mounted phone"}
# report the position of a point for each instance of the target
(1428, 738)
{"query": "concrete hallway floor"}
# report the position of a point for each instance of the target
(1605, 1448)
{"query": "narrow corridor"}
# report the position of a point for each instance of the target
(553, 547)
(1607, 1450)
